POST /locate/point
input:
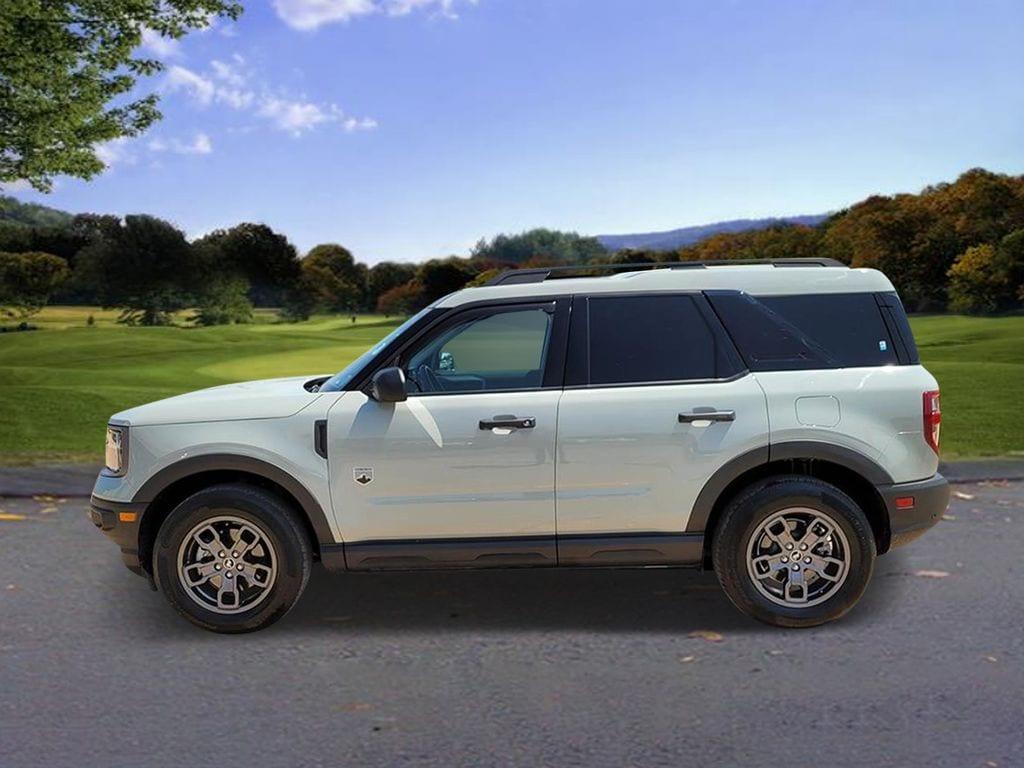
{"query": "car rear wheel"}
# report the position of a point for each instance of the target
(232, 558)
(793, 551)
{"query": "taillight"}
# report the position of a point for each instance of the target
(932, 419)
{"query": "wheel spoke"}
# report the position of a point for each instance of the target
(199, 573)
(816, 532)
(828, 568)
(796, 586)
(211, 543)
(256, 575)
(246, 538)
(227, 594)
(766, 566)
(778, 531)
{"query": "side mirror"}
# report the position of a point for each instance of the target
(388, 386)
(446, 362)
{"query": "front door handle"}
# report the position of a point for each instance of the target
(508, 422)
(687, 418)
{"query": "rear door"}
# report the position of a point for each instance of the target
(656, 401)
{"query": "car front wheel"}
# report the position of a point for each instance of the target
(793, 551)
(232, 558)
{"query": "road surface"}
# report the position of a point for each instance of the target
(588, 668)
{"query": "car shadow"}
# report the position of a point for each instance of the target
(605, 600)
(673, 601)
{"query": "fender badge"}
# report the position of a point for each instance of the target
(363, 475)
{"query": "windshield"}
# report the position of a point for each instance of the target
(341, 379)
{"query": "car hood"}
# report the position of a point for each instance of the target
(266, 399)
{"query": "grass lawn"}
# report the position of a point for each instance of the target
(58, 385)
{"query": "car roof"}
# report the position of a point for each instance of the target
(755, 279)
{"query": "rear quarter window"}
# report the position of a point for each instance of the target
(807, 331)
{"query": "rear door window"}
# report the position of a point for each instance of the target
(652, 338)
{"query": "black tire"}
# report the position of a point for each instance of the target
(273, 518)
(750, 508)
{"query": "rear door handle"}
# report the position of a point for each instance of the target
(687, 418)
(508, 422)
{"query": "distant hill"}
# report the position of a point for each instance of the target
(679, 238)
(31, 214)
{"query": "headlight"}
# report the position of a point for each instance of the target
(117, 449)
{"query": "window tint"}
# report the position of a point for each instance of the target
(504, 350)
(806, 331)
(651, 338)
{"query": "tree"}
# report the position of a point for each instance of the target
(554, 246)
(144, 266)
(68, 74)
(26, 282)
(221, 296)
(300, 301)
(400, 300)
(439, 277)
(385, 275)
(260, 255)
(980, 281)
(339, 282)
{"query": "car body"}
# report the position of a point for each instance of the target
(613, 420)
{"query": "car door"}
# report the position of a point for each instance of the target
(656, 401)
(462, 472)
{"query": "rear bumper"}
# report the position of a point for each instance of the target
(120, 522)
(908, 521)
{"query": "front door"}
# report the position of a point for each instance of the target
(463, 472)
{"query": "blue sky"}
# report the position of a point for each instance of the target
(407, 129)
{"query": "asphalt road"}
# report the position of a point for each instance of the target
(589, 668)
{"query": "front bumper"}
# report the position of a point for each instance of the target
(909, 519)
(120, 522)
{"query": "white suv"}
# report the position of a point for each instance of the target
(769, 420)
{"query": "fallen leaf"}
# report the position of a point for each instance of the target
(962, 495)
(686, 659)
(355, 706)
(11, 516)
(931, 574)
(707, 634)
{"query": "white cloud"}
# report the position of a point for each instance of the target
(200, 145)
(352, 124)
(310, 14)
(200, 88)
(114, 152)
(292, 116)
(157, 44)
(444, 8)
(230, 71)
(228, 83)
(18, 185)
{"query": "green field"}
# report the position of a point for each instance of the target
(58, 385)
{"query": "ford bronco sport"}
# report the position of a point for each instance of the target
(769, 420)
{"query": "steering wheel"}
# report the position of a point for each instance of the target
(428, 380)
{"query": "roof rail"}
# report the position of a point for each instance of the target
(540, 274)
